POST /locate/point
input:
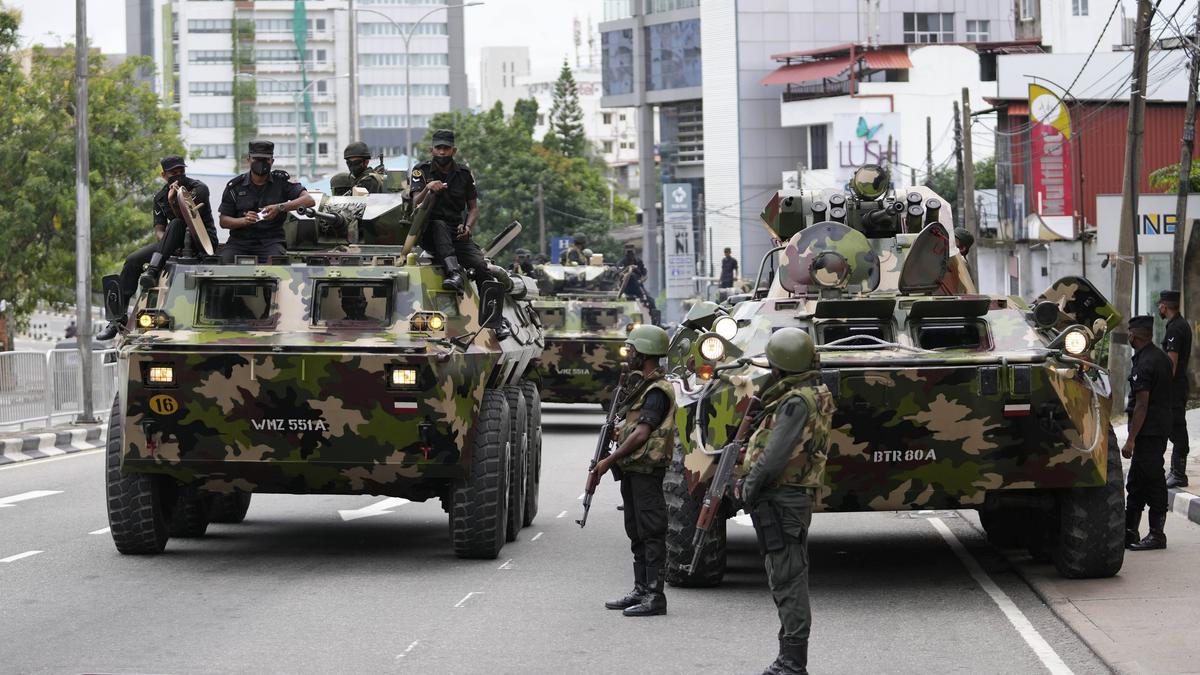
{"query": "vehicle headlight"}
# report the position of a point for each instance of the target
(623, 351)
(712, 348)
(160, 374)
(726, 327)
(148, 319)
(426, 321)
(1075, 341)
(629, 327)
(402, 377)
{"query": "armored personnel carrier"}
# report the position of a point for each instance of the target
(340, 368)
(947, 399)
(586, 321)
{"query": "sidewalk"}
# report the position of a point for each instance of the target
(62, 440)
(1184, 501)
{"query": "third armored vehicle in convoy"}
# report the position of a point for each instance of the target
(946, 399)
(342, 367)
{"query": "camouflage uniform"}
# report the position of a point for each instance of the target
(784, 467)
(345, 182)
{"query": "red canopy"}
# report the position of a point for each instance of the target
(806, 72)
(887, 58)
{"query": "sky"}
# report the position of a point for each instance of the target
(546, 27)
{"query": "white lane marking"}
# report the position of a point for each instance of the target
(537, 536)
(507, 565)
(409, 649)
(26, 496)
(561, 515)
(380, 508)
(581, 496)
(47, 460)
(1015, 616)
(467, 597)
(103, 530)
(14, 558)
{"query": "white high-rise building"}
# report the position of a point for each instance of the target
(502, 71)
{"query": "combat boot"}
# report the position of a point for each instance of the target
(1132, 522)
(453, 280)
(792, 659)
(635, 596)
(111, 330)
(149, 278)
(502, 330)
(1177, 478)
(654, 602)
(1157, 538)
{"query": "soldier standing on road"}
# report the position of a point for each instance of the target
(1177, 343)
(358, 173)
(729, 266)
(783, 469)
(645, 440)
(255, 205)
(1149, 411)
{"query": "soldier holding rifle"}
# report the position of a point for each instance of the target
(784, 467)
(645, 441)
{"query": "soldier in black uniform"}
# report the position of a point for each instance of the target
(1149, 411)
(256, 203)
(359, 174)
(634, 287)
(1177, 343)
(169, 230)
(522, 265)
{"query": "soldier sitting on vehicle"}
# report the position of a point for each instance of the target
(574, 255)
(522, 265)
(634, 272)
(359, 173)
(255, 205)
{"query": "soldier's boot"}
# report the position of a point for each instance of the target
(1178, 476)
(654, 602)
(792, 659)
(1157, 538)
(110, 331)
(1132, 521)
(149, 278)
(453, 280)
(635, 596)
(502, 330)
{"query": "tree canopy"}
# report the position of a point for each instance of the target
(1166, 179)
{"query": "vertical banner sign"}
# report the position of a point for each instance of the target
(863, 139)
(678, 252)
(1050, 150)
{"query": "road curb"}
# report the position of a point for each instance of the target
(50, 443)
(1185, 504)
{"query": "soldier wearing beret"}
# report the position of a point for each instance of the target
(1149, 411)
(358, 172)
(1177, 343)
(255, 205)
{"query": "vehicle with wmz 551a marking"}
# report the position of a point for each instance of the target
(340, 368)
(946, 399)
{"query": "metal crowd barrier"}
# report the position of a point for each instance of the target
(38, 388)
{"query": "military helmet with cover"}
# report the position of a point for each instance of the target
(791, 350)
(648, 340)
(356, 149)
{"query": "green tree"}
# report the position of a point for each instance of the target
(945, 182)
(508, 165)
(566, 117)
(1166, 179)
(129, 132)
(985, 174)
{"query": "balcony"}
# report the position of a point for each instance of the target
(823, 89)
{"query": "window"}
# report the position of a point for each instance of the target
(838, 331)
(1027, 10)
(398, 59)
(606, 118)
(923, 28)
(1079, 7)
(654, 6)
(288, 56)
(674, 55)
(607, 146)
(818, 147)
(236, 302)
(616, 58)
(354, 304)
(210, 120)
(218, 151)
(978, 30)
(210, 88)
(956, 335)
(210, 25)
(210, 56)
(268, 87)
(551, 317)
(397, 90)
(392, 121)
(282, 119)
(384, 28)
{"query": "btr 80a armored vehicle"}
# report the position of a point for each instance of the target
(945, 399)
(586, 321)
(340, 368)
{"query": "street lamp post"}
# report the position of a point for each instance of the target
(406, 36)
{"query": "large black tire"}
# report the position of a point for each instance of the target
(1091, 532)
(533, 475)
(229, 508)
(138, 517)
(479, 511)
(682, 511)
(518, 463)
(189, 519)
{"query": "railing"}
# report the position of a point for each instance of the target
(42, 388)
(804, 92)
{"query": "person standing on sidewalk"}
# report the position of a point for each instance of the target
(1149, 411)
(1177, 343)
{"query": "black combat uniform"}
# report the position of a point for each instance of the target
(521, 264)
(1178, 339)
(635, 288)
(264, 238)
(1146, 484)
(729, 267)
(447, 214)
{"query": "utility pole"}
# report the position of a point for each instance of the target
(970, 216)
(354, 73)
(1126, 276)
(928, 152)
(83, 215)
(541, 204)
(1188, 280)
(958, 167)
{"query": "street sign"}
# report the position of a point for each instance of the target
(558, 246)
(679, 253)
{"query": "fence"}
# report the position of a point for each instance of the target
(38, 388)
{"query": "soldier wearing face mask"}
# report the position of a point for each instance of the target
(358, 172)
(256, 203)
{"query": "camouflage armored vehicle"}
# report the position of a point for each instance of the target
(945, 399)
(340, 368)
(586, 321)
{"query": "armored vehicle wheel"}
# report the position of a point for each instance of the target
(1091, 532)
(533, 475)
(138, 517)
(229, 508)
(682, 511)
(479, 513)
(190, 515)
(518, 464)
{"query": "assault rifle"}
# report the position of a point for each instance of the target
(603, 445)
(721, 481)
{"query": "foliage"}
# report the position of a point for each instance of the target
(1166, 179)
(985, 174)
(509, 165)
(129, 131)
(945, 180)
(566, 117)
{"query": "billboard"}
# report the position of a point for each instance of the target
(1053, 169)
(862, 138)
(678, 252)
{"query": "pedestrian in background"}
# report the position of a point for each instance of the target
(729, 267)
(1149, 411)
(1177, 343)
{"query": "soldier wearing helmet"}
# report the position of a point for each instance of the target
(359, 174)
(645, 441)
(574, 255)
(521, 263)
(783, 469)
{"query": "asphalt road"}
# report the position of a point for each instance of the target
(296, 588)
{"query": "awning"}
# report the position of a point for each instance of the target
(1018, 108)
(806, 72)
(888, 58)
